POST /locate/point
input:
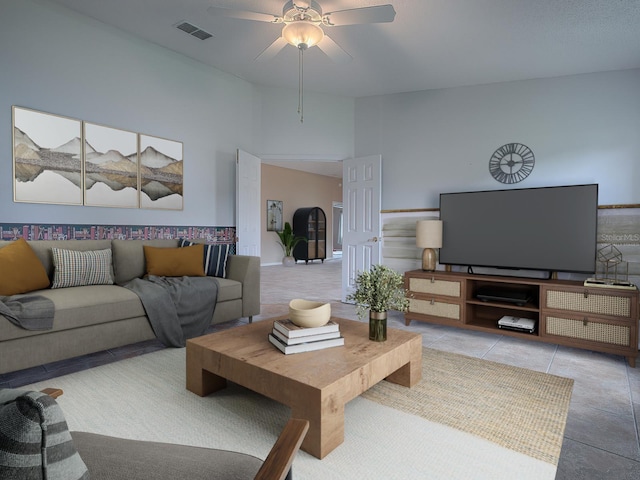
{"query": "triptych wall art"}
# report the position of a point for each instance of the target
(66, 161)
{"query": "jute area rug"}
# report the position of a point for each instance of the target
(519, 409)
(450, 426)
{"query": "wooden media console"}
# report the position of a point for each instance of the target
(567, 312)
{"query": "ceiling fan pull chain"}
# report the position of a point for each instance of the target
(301, 83)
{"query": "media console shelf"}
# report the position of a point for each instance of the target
(566, 312)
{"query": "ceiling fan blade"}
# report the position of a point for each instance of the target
(333, 50)
(376, 14)
(272, 50)
(244, 15)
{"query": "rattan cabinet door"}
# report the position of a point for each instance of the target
(597, 318)
(434, 308)
(436, 286)
(588, 329)
(435, 297)
(616, 304)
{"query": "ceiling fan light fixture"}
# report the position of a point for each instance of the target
(302, 34)
(302, 21)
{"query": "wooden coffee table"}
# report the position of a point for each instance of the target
(316, 385)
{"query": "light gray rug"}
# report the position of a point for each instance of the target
(145, 398)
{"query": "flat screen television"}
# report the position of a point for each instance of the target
(550, 228)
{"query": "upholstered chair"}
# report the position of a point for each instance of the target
(35, 444)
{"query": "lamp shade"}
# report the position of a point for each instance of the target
(302, 33)
(429, 233)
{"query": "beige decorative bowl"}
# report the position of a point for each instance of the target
(307, 314)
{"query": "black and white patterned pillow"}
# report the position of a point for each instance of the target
(35, 442)
(74, 268)
(215, 258)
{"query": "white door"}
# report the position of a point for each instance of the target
(361, 199)
(247, 204)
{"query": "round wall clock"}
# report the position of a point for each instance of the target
(511, 163)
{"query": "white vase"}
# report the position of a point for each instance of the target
(288, 261)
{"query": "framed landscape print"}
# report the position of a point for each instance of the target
(161, 173)
(110, 167)
(274, 215)
(47, 158)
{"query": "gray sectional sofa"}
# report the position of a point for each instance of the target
(93, 318)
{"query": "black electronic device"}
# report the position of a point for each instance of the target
(496, 294)
(550, 228)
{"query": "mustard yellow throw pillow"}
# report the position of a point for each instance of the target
(175, 262)
(21, 269)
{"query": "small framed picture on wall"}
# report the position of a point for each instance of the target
(274, 216)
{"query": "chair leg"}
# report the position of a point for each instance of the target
(52, 392)
(277, 465)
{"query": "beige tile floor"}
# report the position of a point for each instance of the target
(601, 436)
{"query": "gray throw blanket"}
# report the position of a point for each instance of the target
(178, 308)
(31, 312)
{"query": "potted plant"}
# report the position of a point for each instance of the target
(377, 291)
(288, 242)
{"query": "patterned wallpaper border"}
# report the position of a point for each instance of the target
(40, 231)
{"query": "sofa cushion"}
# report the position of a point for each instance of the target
(82, 306)
(115, 458)
(26, 271)
(229, 290)
(128, 257)
(75, 269)
(215, 258)
(174, 262)
(35, 442)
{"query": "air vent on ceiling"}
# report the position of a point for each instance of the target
(192, 30)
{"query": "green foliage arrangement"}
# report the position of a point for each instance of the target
(379, 290)
(288, 240)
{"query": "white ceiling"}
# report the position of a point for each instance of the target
(431, 43)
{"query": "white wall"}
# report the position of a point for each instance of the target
(582, 129)
(327, 128)
(57, 61)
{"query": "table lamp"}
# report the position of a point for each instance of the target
(429, 237)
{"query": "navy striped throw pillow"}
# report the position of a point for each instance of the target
(215, 258)
(35, 442)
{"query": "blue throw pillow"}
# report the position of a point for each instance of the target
(215, 258)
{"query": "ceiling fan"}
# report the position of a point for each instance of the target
(303, 22)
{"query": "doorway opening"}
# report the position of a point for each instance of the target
(337, 229)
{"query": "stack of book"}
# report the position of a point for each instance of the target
(290, 338)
